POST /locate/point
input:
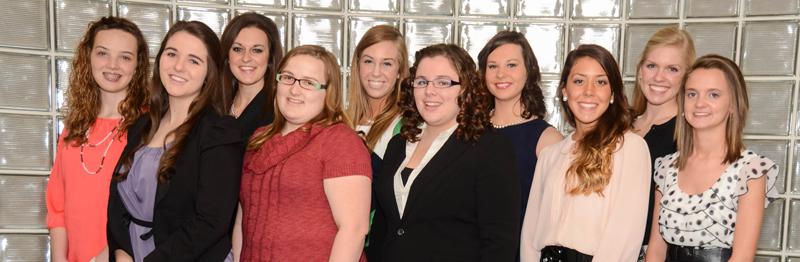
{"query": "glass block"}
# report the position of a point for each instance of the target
(359, 26)
(652, 9)
(770, 107)
(63, 65)
(333, 5)
(713, 38)
(429, 7)
(204, 1)
(325, 31)
(24, 81)
(627, 88)
(775, 150)
(474, 35)
(215, 18)
(595, 8)
(484, 7)
(422, 33)
(771, 7)
(796, 179)
(29, 20)
(716, 8)
(772, 227)
(24, 247)
(793, 259)
(769, 48)
(547, 42)
(73, 18)
(26, 141)
(605, 35)
(267, 3)
(540, 8)
(153, 20)
(389, 6)
(794, 227)
(280, 20)
(554, 116)
(763, 258)
(23, 204)
(636, 37)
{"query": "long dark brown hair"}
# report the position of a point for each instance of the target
(83, 96)
(358, 107)
(473, 102)
(232, 30)
(590, 171)
(531, 99)
(332, 112)
(210, 99)
(734, 126)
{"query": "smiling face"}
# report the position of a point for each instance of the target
(379, 68)
(113, 59)
(298, 105)
(506, 73)
(588, 92)
(183, 65)
(707, 100)
(437, 106)
(661, 74)
(248, 56)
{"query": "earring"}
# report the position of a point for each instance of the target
(612, 99)
(564, 98)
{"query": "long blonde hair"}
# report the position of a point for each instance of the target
(331, 112)
(358, 107)
(667, 36)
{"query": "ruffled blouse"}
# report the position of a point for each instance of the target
(708, 219)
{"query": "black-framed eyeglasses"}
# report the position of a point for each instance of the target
(440, 83)
(307, 84)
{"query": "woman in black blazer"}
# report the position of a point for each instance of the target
(448, 190)
(174, 193)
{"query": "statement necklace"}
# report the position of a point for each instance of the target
(105, 153)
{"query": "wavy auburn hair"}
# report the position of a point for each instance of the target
(473, 101)
(334, 104)
(734, 125)
(210, 99)
(590, 170)
(668, 36)
(358, 107)
(531, 98)
(275, 48)
(83, 96)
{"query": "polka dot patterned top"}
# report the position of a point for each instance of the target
(707, 219)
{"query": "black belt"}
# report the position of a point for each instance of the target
(563, 254)
(128, 218)
(677, 253)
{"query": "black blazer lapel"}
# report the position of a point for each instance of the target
(385, 186)
(434, 172)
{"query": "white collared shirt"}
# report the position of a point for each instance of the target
(401, 191)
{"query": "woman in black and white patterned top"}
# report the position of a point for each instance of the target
(711, 194)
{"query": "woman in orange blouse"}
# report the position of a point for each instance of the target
(106, 94)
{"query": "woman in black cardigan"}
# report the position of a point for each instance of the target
(448, 190)
(174, 193)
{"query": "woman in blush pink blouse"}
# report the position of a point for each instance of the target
(589, 198)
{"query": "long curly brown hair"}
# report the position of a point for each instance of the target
(358, 107)
(590, 171)
(232, 30)
(473, 116)
(332, 112)
(211, 98)
(83, 96)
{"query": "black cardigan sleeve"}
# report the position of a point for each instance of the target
(220, 166)
(498, 200)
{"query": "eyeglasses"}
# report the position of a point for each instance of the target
(307, 84)
(437, 83)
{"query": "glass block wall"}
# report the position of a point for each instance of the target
(37, 39)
